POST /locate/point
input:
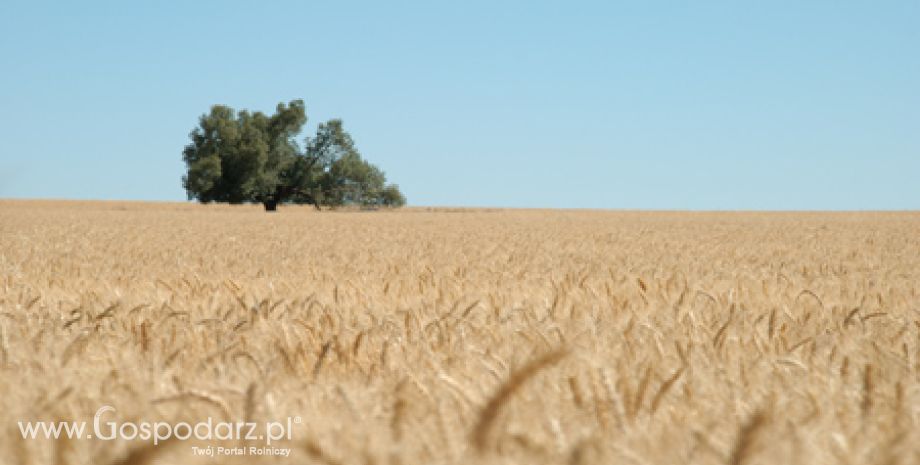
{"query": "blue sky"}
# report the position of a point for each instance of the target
(659, 105)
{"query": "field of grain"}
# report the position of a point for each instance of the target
(430, 336)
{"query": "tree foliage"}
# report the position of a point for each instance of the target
(239, 157)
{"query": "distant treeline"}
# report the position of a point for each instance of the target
(242, 156)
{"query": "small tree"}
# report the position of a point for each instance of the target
(392, 197)
(250, 157)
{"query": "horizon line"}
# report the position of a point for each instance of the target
(480, 207)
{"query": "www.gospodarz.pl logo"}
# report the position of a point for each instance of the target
(160, 431)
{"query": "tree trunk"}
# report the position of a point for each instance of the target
(270, 205)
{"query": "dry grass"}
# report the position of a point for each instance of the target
(420, 336)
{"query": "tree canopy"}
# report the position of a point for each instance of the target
(244, 156)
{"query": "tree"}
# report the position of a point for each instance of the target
(239, 157)
(392, 197)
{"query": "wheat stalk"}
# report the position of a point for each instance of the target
(490, 412)
(744, 446)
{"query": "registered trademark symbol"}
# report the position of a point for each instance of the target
(297, 420)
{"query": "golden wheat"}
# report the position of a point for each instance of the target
(415, 336)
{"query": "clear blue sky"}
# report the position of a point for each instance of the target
(665, 105)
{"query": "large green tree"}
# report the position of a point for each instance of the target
(239, 157)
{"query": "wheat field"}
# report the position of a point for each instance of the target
(464, 336)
